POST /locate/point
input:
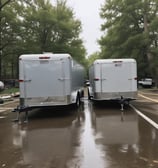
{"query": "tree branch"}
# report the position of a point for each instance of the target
(5, 3)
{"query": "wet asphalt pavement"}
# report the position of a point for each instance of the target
(93, 136)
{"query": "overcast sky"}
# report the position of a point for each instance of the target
(88, 12)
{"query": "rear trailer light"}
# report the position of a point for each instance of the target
(135, 78)
(44, 57)
(96, 79)
(117, 61)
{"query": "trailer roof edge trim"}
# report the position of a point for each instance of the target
(113, 60)
(46, 55)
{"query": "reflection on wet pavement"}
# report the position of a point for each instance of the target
(89, 153)
(48, 144)
(90, 137)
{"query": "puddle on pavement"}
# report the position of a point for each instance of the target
(90, 137)
(89, 153)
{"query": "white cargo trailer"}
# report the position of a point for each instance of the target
(49, 80)
(113, 79)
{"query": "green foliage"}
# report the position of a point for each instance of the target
(93, 57)
(37, 26)
(131, 30)
(10, 30)
(10, 91)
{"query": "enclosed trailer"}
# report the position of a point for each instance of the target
(113, 79)
(49, 80)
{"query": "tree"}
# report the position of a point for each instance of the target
(37, 26)
(130, 31)
(3, 3)
(93, 57)
(9, 35)
(53, 29)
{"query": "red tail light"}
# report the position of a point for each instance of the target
(135, 78)
(96, 79)
(44, 57)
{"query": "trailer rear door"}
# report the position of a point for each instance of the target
(116, 77)
(43, 78)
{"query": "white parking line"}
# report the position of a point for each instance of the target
(154, 100)
(150, 121)
(6, 108)
(1, 117)
(146, 93)
(3, 109)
